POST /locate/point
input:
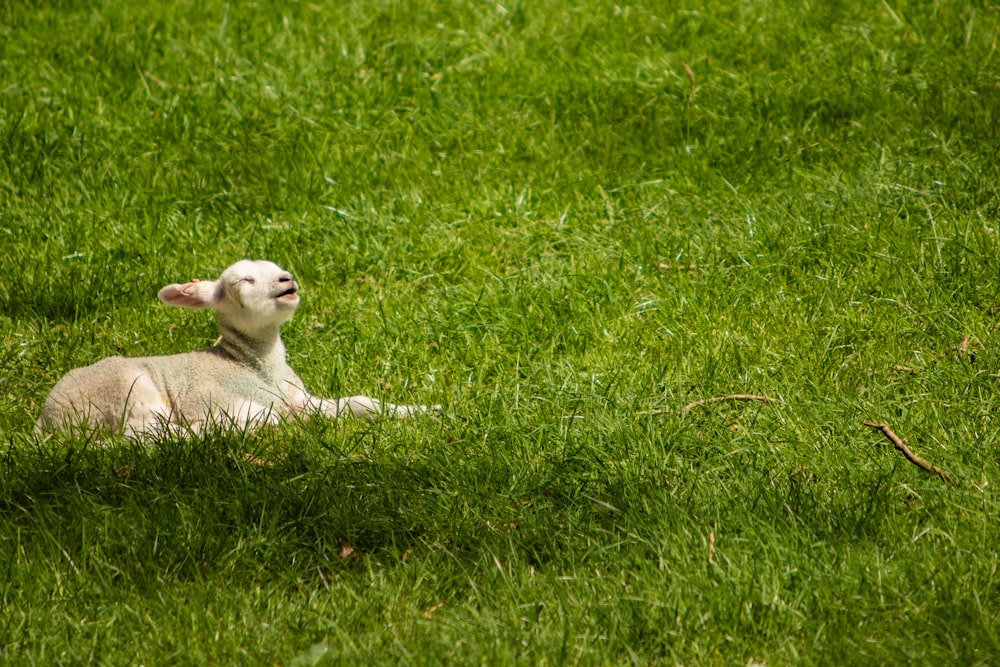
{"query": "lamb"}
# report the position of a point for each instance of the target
(243, 381)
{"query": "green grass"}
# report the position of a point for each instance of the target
(478, 198)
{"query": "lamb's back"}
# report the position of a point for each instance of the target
(187, 388)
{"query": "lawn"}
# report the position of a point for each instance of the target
(572, 224)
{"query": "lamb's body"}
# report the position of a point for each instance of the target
(190, 389)
(244, 381)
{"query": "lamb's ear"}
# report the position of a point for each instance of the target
(195, 294)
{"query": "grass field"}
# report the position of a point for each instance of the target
(565, 222)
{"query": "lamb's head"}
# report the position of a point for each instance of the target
(250, 295)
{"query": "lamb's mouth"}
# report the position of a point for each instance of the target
(287, 293)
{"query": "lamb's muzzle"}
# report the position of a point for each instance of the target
(291, 287)
(244, 381)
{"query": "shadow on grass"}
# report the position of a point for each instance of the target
(222, 504)
(293, 502)
(50, 306)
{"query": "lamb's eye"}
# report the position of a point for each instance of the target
(250, 280)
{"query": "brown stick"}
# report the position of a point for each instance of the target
(730, 397)
(901, 445)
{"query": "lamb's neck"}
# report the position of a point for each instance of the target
(261, 350)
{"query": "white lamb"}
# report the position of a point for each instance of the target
(243, 381)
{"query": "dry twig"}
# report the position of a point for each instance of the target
(901, 445)
(731, 397)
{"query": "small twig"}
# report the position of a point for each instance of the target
(901, 445)
(731, 397)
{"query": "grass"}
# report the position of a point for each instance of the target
(479, 199)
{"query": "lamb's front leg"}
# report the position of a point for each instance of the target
(364, 406)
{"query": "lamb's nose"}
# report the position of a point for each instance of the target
(286, 278)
